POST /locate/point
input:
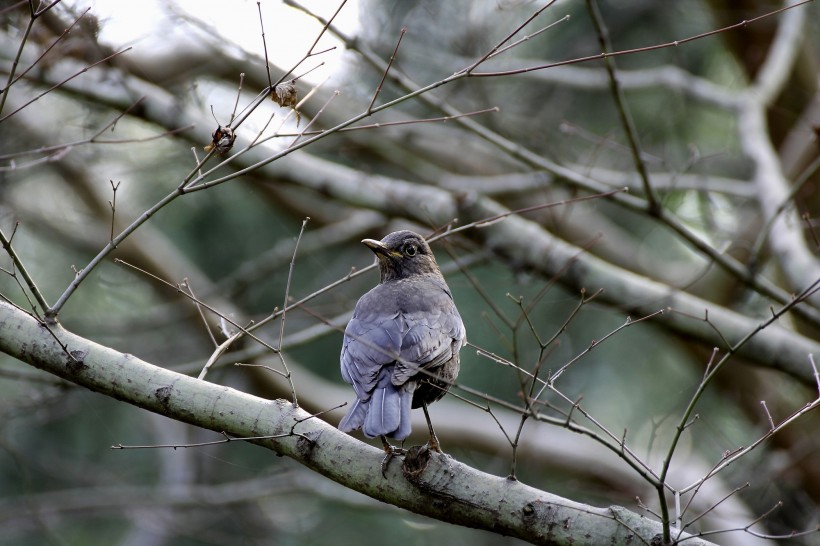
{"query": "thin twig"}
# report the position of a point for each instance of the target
(810, 226)
(263, 366)
(113, 205)
(594, 343)
(768, 414)
(694, 520)
(284, 310)
(12, 79)
(226, 439)
(64, 81)
(678, 431)
(223, 316)
(620, 105)
(264, 46)
(18, 264)
(698, 487)
(395, 123)
(239, 94)
(496, 48)
(632, 51)
(386, 70)
(314, 118)
(65, 147)
(528, 37)
(187, 284)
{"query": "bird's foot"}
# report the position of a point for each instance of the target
(433, 445)
(390, 452)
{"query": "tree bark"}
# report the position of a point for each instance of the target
(426, 483)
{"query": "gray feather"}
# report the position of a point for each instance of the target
(406, 324)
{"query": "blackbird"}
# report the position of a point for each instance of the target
(400, 349)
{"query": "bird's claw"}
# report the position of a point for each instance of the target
(390, 452)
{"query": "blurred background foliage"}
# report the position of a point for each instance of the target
(59, 481)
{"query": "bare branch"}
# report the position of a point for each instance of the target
(384, 76)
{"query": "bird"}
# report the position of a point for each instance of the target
(401, 347)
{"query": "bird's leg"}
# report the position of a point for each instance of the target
(432, 444)
(390, 452)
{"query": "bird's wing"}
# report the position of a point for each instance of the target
(422, 330)
(372, 341)
(434, 333)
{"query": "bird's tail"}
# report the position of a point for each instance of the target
(385, 413)
(355, 416)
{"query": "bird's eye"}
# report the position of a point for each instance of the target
(410, 250)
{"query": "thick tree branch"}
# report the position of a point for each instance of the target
(441, 488)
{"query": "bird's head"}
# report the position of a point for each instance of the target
(403, 254)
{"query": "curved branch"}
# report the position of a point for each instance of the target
(441, 488)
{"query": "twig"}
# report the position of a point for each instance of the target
(496, 49)
(314, 118)
(768, 414)
(698, 487)
(715, 352)
(621, 107)
(187, 284)
(64, 148)
(605, 55)
(18, 264)
(41, 10)
(386, 70)
(594, 343)
(528, 37)
(810, 227)
(484, 222)
(558, 275)
(223, 316)
(220, 350)
(284, 311)
(583, 300)
(113, 205)
(64, 81)
(694, 520)
(479, 288)
(263, 366)
(239, 94)
(4, 93)
(264, 46)
(667, 462)
(226, 439)
(609, 440)
(394, 123)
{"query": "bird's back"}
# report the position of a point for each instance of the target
(400, 350)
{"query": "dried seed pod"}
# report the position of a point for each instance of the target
(285, 95)
(222, 139)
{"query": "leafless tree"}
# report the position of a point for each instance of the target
(623, 198)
